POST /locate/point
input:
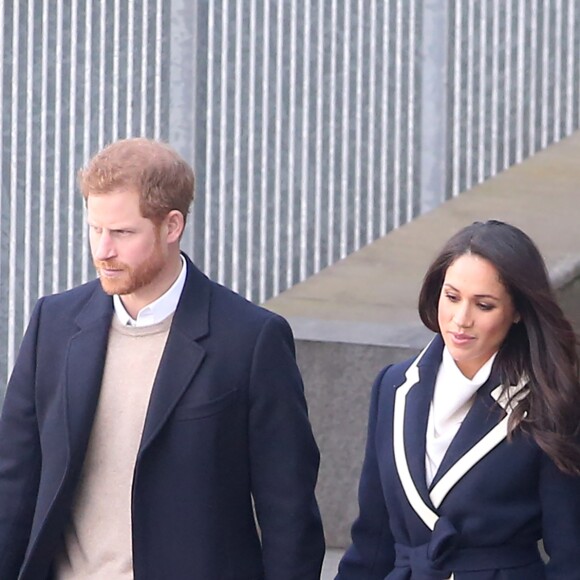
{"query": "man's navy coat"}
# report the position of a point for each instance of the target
(226, 431)
(491, 500)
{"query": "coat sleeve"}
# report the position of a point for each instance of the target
(371, 555)
(20, 456)
(284, 459)
(560, 499)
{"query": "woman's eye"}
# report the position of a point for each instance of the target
(451, 297)
(484, 306)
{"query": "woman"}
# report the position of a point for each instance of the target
(473, 448)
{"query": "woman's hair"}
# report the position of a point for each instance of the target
(161, 177)
(541, 346)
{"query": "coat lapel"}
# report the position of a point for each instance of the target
(182, 355)
(484, 427)
(411, 409)
(418, 404)
(88, 350)
(84, 371)
(483, 416)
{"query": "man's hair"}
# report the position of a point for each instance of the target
(161, 177)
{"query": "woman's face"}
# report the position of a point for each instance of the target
(475, 312)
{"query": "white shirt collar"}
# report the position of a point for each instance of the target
(453, 396)
(449, 366)
(159, 309)
(452, 388)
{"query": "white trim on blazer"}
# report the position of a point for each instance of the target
(507, 399)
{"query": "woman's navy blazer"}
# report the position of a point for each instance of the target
(490, 502)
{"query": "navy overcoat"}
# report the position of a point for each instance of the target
(490, 502)
(226, 431)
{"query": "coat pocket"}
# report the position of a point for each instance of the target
(206, 409)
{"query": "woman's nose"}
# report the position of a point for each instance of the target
(462, 316)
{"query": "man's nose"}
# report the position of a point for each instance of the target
(104, 247)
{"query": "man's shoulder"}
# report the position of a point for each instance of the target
(228, 311)
(222, 297)
(240, 316)
(72, 299)
(225, 295)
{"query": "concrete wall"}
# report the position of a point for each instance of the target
(569, 298)
(338, 378)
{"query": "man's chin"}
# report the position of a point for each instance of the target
(111, 288)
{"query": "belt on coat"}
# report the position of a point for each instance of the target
(441, 556)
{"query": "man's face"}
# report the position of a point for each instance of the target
(127, 248)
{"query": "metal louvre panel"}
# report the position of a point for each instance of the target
(513, 78)
(314, 126)
(75, 76)
(306, 135)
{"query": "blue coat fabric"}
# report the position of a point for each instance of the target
(226, 430)
(491, 500)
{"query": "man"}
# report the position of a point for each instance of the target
(151, 413)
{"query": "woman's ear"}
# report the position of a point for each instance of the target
(517, 317)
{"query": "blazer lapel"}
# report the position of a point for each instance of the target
(417, 408)
(484, 427)
(84, 371)
(412, 400)
(483, 415)
(182, 355)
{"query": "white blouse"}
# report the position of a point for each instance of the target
(453, 396)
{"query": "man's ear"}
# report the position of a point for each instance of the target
(175, 225)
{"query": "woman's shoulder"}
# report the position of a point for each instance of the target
(429, 356)
(393, 375)
(402, 372)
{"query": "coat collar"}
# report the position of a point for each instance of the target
(87, 353)
(85, 362)
(182, 355)
(485, 426)
(194, 299)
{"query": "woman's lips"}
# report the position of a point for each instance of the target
(461, 338)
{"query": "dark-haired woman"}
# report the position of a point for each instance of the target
(473, 448)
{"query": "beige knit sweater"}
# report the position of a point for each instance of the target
(97, 541)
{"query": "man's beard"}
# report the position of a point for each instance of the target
(130, 280)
